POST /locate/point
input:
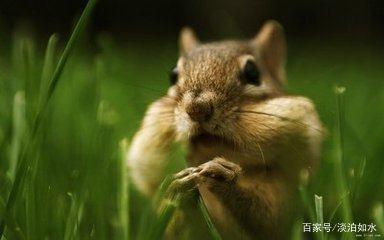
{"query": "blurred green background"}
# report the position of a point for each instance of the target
(77, 186)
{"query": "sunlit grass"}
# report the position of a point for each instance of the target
(25, 165)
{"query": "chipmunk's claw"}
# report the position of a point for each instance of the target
(185, 180)
(217, 169)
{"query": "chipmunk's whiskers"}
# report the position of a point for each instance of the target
(283, 118)
(288, 142)
(260, 149)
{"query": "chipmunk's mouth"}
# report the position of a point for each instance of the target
(187, 128)
(207, 139)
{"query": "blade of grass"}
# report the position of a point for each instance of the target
(304, 175)
(30, 81)
(32, 213)
(319, 213)
(212, 229)
(13, 229)
(18, 125)
(24, 161)
(378, 216)
(154, 224)
(338, 206)
(165, 215)
(168, 206)
(297, 232)
(31, 203)
(103, 138)
(74, 217)
(122, 194)
(48, 67)
(69, 46)
(31, 198)
(339, 158)
(162, 189)
(358, 177)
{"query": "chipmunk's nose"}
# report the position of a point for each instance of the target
(200, 111)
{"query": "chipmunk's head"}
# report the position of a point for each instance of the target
(211, 81)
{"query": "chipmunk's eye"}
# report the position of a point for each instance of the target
(251, 74)
(173, 76)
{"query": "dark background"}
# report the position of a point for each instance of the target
(359, 20)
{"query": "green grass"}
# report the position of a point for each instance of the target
(62, 176)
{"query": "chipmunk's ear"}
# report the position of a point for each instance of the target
(187, 40)
(271, 46)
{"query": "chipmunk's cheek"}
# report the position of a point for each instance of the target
(185, 127)
(172, 92)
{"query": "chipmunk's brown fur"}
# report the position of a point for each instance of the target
(247, 142)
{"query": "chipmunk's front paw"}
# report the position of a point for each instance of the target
(185, 183)
(220, 169)
(214, 173)
(219, 175)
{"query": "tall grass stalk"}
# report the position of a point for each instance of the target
(165, 214)
(48, 68)
(74, 217)
(378, 216)
(31, 200)
(31, 82)
(339, 158)
(212, 229)
(338, 206)
(168, 205)
(297, 232)
(69, 47)
(304, 195)
(24, 160)
(319, 213)
(122, 195)
(154, 223)
(18, 125)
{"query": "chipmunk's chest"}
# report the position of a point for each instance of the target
(202, 150)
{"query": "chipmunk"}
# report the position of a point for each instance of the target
(247, 139)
